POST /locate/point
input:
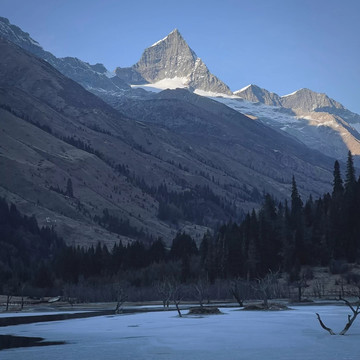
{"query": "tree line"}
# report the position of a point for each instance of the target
(283, 236)
(280, 236)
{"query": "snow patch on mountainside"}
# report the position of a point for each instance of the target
(164, 84)
(264, 112)
(211, 94)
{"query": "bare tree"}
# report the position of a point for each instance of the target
(201, 290)
(165, 289)
(319, 288)
(8, 299)
(9, 290)
(300, 284)
(121, 297)
(267, 286)
(240, 289)
(177, 295)
(355, 308)
(22, 289)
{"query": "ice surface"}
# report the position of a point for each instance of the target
(22, 313)
(266, 113)
(243, 335)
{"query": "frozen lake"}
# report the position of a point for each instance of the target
(240, 335)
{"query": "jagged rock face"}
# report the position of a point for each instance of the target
(303, 100)
(168, 58)
(89, 76)
(202, 79)
(254, 93)
(129, 76)
(171, 58)
(307, 100)
(14, 34)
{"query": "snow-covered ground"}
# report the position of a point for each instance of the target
(294, 335)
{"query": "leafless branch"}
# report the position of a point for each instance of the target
(323, 325)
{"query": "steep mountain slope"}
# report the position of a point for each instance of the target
(91, 77)
(245, 148)
(196, 160)
(53, 130)
(318, 121)
(172, 58)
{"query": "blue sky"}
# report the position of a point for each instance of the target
(281, 45)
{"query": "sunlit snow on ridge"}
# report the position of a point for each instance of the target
(174, 83)
(242, 89)
(293, 93)
(159, 41)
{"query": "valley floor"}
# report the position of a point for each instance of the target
(236, 334)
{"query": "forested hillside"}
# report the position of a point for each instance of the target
(280, 237)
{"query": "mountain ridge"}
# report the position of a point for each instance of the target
(112, 88)
(311, 117)
(207, 165)
(171, 57)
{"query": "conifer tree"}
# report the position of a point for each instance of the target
(296, 202)
(69, 188)
(338, 187)
(350, 180)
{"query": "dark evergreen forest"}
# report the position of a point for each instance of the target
(280, 236)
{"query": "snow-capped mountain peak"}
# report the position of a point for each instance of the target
(168, 58)
(255, 93)
(308, 100)
(174, 32)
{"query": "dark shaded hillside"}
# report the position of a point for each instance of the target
(153, 177)
(26, 250)
(49, 136)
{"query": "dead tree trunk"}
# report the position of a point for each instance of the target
(8, 299)
(323, 325)
(120, 299)
(177, 297)
(351, 319)
(239, 289)
(177, 302)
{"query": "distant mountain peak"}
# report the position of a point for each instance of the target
(19, 37)
(168, 58)
(172, 58)
(174, 33)
(255, 93)
(307, 100)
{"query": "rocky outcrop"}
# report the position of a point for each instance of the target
(255, 93)
(91, 77)
(172, 58)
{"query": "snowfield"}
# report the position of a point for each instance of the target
(254, 335)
